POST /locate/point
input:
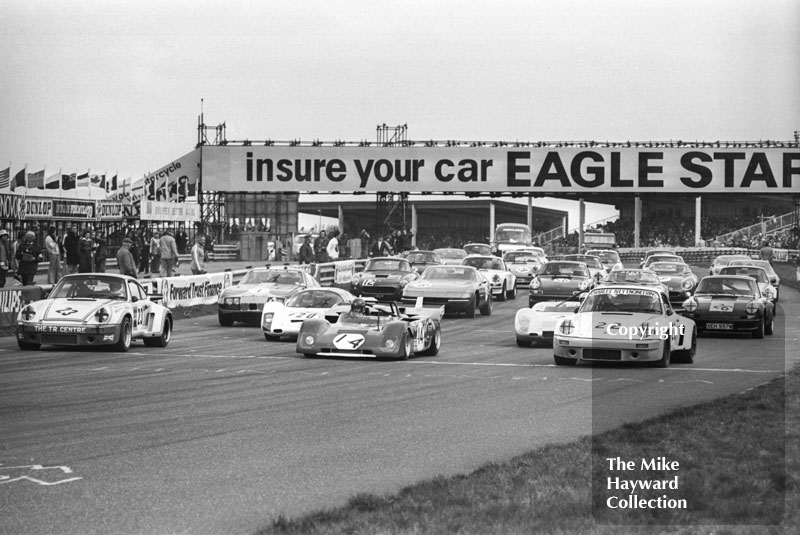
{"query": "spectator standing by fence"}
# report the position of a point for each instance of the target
(5, 257)
(54, 255)
(198, 253)
(100, 252)
(320, 243)
(72, 250)
(169, 253)
(28, 256)
(332, 249)
(306, 251)
(155, 253)
(125, 261)
(86, 262)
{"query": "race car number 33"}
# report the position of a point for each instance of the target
(349, 341)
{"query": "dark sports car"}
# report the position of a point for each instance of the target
(380, 330)
(558, 280)
(383, 278)
(730, 303)
(678, 278)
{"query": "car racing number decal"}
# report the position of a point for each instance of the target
(349, 341)
(303, 315)
(139, 314)
(604, 325)
(368, 282)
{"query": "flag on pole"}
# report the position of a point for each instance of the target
(36, 180)
(19, 179)
(53, 181)
(82, 181)
(111, 185)
(5, 174)
(68, 181)
(102, 183)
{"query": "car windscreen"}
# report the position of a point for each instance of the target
(591, 261)
(388, 264)
(623, 300)
(670, 268)
(756, 273)
(90, 287)
(276, 276)
(735, 287)
(450, 273)
(483, 263)
(314, 299)
(564, 269)
(636, 277)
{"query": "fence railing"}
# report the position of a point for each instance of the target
(550, 235)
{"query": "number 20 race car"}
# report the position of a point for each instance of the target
(94, 309)
(370, 329)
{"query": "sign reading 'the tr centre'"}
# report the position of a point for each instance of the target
(504, 169)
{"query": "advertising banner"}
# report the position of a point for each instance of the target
(191, 290)
(175, 181)
(523, 169)
(110, 211)
(11, 302)
(169, 211)
(38, 208)
(73, 209)
(11, 206)
(344, 271)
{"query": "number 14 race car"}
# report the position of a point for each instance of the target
(367, 328)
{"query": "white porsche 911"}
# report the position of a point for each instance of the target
(95, 309)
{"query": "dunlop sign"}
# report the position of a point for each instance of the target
(502, 169)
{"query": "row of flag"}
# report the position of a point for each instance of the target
(58, 181)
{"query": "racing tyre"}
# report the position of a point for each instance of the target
(486, 309)
(405, 346)
(28, 346)
(687, 355)
(512, 293)
(561, 361)
(163, 340)
(436, 343)
(503, 293)
(470, 312)
(665, 356)
(758, 334)
(125, 336)
(224, 320)
(769, 328)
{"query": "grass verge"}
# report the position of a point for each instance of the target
(740, 473)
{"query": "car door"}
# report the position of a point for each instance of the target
(141, 308)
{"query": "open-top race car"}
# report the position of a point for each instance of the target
(367, 328)
(95, 309)
(245, 301)
(537, 323)
(285, 318)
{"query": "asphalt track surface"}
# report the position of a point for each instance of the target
(222, 431)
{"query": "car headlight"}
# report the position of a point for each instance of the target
(355, 280)
(308, 339)
(523, 322)
(583, 284)
(28, 313)
(389, 344)
(687, 284)
(769, 292)
(751, 308)
(566, 327)
(231, 301)
(266, 320)
(102, 315)
(535, 283)
(690, 305)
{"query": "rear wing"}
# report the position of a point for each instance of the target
(419, 310)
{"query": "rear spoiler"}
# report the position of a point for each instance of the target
(420, 310)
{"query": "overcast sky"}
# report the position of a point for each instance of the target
(115, 86)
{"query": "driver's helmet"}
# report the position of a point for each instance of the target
(115, 287)
(358, 306)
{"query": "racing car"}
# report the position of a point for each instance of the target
(608, 257)
(285, 318)
(625, 324)
(535, 325)
(678, 278)
(524, 263)
(95, 309)
(383, 278)
(558, 280)
(368, 328)
(458, 288)
(245, 301)
(596, 268)
(503, 282)
(730, 303)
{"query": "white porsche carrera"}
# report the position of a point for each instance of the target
(95, 309)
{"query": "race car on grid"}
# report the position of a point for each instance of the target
(245, 301)
(730, 303)
(285, 318)
(95, 309)
(458, 288)
(383, 278)
(502, 281)
(558, 280)
(536, 324)
(625, 324)
(367, 328)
